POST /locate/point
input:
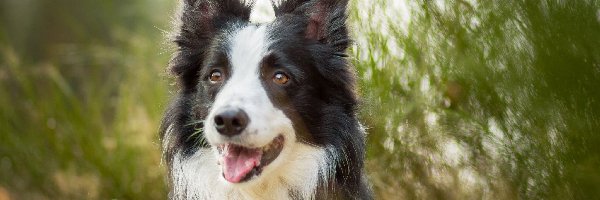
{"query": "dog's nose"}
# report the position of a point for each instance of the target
(231, 121)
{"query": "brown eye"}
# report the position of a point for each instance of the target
(215, 76)
(280, 78)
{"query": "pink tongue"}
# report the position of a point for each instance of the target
(238, 162)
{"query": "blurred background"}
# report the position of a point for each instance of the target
(463, 99)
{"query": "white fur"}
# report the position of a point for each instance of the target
(199, 177)
(299, 167)
(262, 12)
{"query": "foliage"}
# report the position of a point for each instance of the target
(462, 99)
(481, 99)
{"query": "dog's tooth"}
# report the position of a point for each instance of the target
(226, 150)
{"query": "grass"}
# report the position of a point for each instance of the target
(80, 122)
(462, 99)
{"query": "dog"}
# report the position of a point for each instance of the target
(263, 111)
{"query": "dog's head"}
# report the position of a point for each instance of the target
(256, 94)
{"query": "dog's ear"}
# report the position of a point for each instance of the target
(204, 17)
(326, 19)
(283, 7)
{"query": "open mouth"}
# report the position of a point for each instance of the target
(240, 164)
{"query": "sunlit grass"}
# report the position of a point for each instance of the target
(462, 99)
(90, 137)
(82, 122)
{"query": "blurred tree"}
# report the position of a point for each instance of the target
(481, 99)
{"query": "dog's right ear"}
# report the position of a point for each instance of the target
(198, 23)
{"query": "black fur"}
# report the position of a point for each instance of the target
(310, 39)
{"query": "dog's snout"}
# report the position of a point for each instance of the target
(231, 121)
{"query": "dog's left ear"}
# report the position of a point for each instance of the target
(326, 19)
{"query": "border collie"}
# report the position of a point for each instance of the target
(263, 111)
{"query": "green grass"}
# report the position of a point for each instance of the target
(461, 100)
(79, 116)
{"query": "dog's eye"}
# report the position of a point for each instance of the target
(280, 78)
(215, 76)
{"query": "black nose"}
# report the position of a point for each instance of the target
(231, 121)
